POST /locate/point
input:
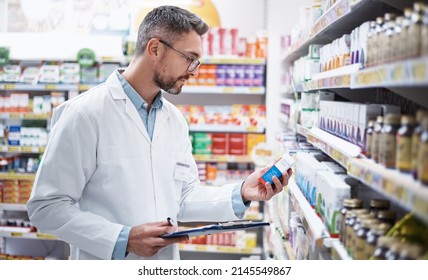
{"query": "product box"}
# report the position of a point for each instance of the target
(331, 191)
(49, 74)
(367, 112)
(70, 73)
(280, 167)
(237, 144)
(306, 169)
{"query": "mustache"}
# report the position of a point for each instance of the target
(183, 77)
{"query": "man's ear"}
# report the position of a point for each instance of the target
(153, 50)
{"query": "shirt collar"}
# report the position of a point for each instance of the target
(135, 98)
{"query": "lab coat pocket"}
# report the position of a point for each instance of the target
(181, 173)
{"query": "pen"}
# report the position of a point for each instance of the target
(170, 221)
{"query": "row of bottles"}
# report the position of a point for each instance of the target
(362, 231)
(397, 37)
(400, 142)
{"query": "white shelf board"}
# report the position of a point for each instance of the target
(338, 149)
(397, 186)
(306, 212)
(225, 128)
(338, 248)
(27, 235)
(13, 207)
(216, 249)
(223, 90)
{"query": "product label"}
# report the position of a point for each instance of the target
(359, 248)
(375, 146)
(369, 141)
(415, 150)
(388, 150)
(404, 156)
(273, 171)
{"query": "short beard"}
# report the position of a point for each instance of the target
(166, 85)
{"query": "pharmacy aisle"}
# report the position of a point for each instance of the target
(353, 114)
(76, 46)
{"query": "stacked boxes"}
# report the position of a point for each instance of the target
(331, 191)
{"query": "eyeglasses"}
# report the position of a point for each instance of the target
(193, 63)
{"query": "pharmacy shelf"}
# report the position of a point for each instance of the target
(223, 90)
(45, 87)
(397, 186)
(317, 231)
(233, 60)
(301, 130)
(219, 249)
(27, 235)
(337, 78)
(25, 116)
(22, 149)
(337, 148)
(17, 176)
(407, 73)
(12, 207)
(226, 128)
(338, 252)
(223, 158)
(341, 18)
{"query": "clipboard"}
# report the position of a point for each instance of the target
(216, 228)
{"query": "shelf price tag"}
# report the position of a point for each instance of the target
(228, 90)
(45, 236)
(16, 234)
(397, 73)
(9, 86)
(418, 71)
(50, 87)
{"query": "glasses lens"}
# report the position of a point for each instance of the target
(195, 63)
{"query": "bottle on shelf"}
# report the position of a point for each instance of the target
(423, 154)
(411, 251)
(375, 139)
(348, 205)
(369, 139)
(387, 150)
(377, 205)
(383, 245)
(416, 138)
(373, 235)
(361, 236)
(404, 144)
(414, 30)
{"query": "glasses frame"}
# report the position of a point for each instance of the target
(194, 63)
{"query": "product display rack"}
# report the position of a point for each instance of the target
(407, 78)
(341, 18)
(208, 92)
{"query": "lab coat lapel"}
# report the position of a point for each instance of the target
(117, 93)
(135, 117)
(161, 121)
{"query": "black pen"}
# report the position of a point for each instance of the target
(170, 221)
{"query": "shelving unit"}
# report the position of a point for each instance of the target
(407, 78)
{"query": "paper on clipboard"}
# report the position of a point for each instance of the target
(216, 228)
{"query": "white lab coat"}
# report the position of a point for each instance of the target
(100, 171)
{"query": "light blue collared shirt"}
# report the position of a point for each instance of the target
(149, 118)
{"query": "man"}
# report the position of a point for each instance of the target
(119, 159)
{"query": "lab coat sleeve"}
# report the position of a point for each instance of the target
(67, 165)
(205, 203)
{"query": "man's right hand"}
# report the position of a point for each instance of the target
(144, 239)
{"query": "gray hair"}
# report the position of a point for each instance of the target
(168, 23)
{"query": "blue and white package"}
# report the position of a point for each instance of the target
(280, 167)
